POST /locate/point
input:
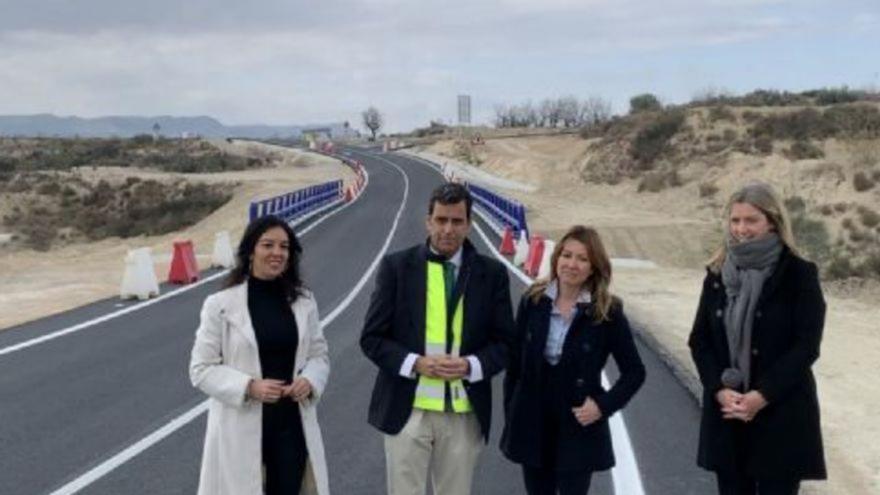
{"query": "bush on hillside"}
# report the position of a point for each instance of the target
(721, 113)
(859, 120)
(861, 182)
(832, 96)
(804, 150)
(801, 125)
(659, 180)
(869, 217)
(653, 139)
(795, 205)
(708, 189)
(645, 102)
(840, 267)
(812, 236)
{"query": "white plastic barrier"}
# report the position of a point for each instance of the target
(223, 256)
(544, 270)
(522, 249)
(139, 279)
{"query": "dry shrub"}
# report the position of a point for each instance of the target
(795, 205)
(812, 236)
(804, 150)
(653, 139)
(840, 267)
(659, 180)
(826, 210)
(764, 145)
(721, 113)
(708, 189)
(869, 217)
(862, 182)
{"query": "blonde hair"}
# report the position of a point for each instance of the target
(762, 196)
(598, 281)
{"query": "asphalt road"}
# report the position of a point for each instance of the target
(71, 403)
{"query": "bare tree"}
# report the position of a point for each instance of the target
(595, 110)
(569, 111)
(372, 120)
(502, 116)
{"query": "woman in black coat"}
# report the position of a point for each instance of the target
(754, 339)
(556, 408)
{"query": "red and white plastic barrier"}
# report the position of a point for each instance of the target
(184, 268)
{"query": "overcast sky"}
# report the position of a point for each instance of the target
(294, 62)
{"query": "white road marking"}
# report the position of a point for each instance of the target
(109, 316)
(179, 422)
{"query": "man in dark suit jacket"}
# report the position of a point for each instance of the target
(437, 328)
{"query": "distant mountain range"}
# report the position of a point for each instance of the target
(127, 126)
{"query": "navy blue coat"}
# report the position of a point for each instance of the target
(784, 439)
(584, 354)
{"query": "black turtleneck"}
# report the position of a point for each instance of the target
(274, 326)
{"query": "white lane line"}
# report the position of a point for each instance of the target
(132, 451)
(625, 475)
(179, 422)
(109, 316)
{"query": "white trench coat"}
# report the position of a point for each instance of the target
(224, 359)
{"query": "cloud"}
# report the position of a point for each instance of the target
(282, 61)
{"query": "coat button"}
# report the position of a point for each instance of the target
(586, 347)
(716, 285)
(719, 313)
(754, 352)
(757, 314)
(579, 382)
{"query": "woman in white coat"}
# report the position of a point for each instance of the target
(261, 356)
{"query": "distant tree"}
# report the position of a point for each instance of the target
(569, 111)
(595, 110)
(646, 102)
(502, 116)
(372, 120)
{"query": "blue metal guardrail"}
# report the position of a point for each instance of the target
(293, 204)
(506, 212)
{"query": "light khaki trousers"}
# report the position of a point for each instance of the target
(446, 445)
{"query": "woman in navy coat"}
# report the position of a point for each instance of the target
(754, 340)
(556, 407)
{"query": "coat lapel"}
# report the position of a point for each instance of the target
(416, 280)
(300, 314)
(239, 313)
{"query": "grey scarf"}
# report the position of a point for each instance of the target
(747, 265)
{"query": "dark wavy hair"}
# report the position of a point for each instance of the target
(290, 278)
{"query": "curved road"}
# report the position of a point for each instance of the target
(108, 409)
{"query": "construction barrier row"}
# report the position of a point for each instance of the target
(503, 212)
(140, 281)
(293, 204)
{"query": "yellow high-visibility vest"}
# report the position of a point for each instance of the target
(430, 391)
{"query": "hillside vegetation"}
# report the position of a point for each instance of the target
(46, 199)
(821, 149)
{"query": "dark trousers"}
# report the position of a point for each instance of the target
(547, 480)
(284, 448)
(551, 482)
(743, 485)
